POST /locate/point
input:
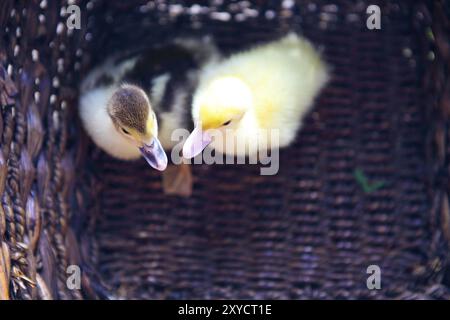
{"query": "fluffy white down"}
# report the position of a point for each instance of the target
(284, 77)
(99, 126)
(173, 120)
(93, 113)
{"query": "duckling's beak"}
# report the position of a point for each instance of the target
(196, 142)
(154, 153)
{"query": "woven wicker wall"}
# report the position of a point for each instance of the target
(308, 232)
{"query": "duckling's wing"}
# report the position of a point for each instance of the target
(179, 59)
(108, 74)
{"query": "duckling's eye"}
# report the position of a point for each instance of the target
(226, 123)
(125, 131)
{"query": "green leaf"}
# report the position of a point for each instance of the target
(364, 182)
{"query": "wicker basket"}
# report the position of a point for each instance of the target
(309, 232)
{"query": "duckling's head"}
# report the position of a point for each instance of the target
(219, 105)
(134, 119)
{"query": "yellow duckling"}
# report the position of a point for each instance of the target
(270, 87)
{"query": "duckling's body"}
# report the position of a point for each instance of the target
(244, 97)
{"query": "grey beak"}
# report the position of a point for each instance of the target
(154, 154)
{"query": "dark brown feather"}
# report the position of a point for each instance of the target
(129, 107)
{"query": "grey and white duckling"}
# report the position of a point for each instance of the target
(131, 104)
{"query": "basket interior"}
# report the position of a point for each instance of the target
(310, 231)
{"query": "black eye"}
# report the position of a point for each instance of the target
(226, 123)
(125, 131)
